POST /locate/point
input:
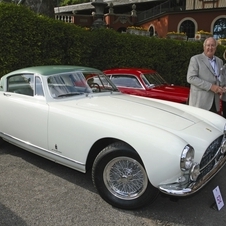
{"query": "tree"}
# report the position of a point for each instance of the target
(73, 2)
(45, 7)
(21, 2)
(9, 1)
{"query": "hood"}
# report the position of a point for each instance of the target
(145, 110)
(173, 90)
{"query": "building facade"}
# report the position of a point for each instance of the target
(173, 16)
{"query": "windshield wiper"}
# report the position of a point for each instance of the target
(69, 94)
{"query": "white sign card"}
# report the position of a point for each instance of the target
(218, 198)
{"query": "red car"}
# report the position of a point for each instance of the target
(147, 83)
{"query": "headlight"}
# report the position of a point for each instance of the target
(187, 158)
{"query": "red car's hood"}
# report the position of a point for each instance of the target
(183, 91)
(168, 92)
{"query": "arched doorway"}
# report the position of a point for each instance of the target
(188, 27)
(151, 30)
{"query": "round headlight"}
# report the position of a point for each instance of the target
(187, 158)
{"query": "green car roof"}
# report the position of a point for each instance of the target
(53, 69)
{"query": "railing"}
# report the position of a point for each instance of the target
(153, 12)
(66, 18)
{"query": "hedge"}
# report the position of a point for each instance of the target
(28, 39)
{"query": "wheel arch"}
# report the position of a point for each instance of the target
(99, 145)
(121, 189)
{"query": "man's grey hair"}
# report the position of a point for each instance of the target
(204, 43)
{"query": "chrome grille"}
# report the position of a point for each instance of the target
(210, 157)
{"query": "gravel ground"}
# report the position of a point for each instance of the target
(36, 191)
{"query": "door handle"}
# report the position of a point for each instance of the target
(6, 94)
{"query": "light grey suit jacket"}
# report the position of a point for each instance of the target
(201, 76)
(223, 81)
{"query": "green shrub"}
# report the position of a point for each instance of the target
(28, 39)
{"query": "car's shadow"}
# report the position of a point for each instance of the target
(194, 210)
(8, 217)
(73, 176)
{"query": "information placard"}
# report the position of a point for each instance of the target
(218, 198)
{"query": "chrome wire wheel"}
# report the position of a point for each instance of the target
(125, 178)
(119, 175)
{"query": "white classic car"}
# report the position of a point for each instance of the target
(135, 146)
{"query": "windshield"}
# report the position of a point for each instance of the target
(78, 83)
(153, 79)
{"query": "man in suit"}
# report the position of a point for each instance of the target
(203, 75)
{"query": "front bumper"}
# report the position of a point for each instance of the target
(177, 189)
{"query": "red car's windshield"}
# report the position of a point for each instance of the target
(153, 79)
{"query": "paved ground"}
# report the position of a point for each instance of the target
(35, 191)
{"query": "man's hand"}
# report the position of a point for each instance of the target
(217, 89)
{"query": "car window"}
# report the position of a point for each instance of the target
(100, 81)
(153, 78)
(66, 84)
(126, 81)
(78, 83)
(21, 84)
(146, 82)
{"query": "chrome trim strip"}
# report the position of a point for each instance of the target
(216, 154)
(211, 160)
(5, 136)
